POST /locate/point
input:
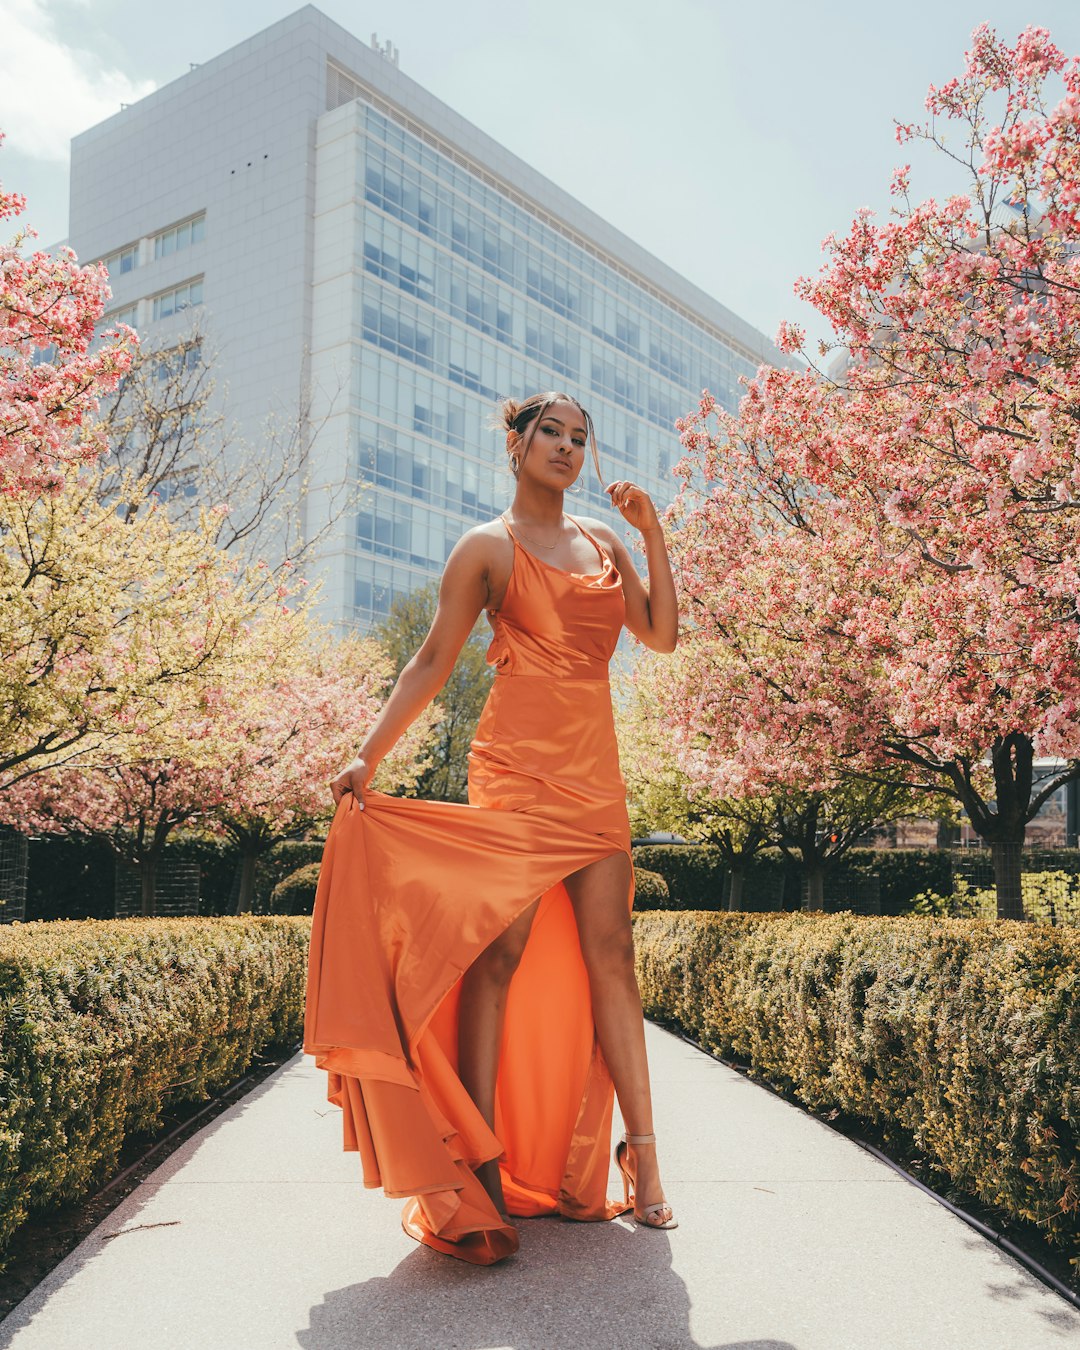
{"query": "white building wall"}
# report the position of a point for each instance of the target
(246, 138)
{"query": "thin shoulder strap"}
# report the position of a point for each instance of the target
(604, 557)
(509, 531)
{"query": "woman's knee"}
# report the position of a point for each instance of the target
(497, 963)
(609, 953)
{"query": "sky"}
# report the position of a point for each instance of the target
(726, 138)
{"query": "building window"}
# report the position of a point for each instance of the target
(123, 260)
(181, 297)
(129, 315)
(180, 236)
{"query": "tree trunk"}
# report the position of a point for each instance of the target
(248, 858)
(735, 895)
(814, 887)
(1013, 759)
(1010, 900)
(148, 866)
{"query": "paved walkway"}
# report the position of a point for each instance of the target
(256, 1235)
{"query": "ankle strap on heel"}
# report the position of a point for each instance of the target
(640, 1138)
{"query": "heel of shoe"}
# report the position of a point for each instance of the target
(624, 1171)
(645, 1219)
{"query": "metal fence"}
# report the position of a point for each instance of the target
(780, 887)
(176, 892)
(14, 850)
(1038, 887)
(857, 891)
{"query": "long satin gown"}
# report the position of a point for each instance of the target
(411, 892)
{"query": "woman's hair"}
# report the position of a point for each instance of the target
(514, 416)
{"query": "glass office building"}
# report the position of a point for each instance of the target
(460, 293)
(357, 238)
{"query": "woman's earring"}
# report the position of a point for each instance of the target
(575, 486)
(515, 464)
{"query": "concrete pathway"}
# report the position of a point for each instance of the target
(257, 1235)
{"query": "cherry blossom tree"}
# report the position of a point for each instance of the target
(247, 749)
(101, 613)
(157, 747)
(682, 783)
(292, 733)
(51, 377)
(460, 700)
(890, 551)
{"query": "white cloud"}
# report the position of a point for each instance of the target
(50, 91)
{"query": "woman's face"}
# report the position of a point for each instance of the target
(557, 449)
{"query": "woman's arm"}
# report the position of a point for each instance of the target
(463, 593)
(652, 612)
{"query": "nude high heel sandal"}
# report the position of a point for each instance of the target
(645, 1218)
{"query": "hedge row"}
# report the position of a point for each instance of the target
(295, 893)
(961, 1034)
(698, 878)
(694, 873)
(73, 878)
(105, 1024)
(650, 890)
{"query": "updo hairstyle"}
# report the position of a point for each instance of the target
(514, 416)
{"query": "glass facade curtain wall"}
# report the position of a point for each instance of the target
(461, 296)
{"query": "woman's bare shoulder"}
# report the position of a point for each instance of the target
(602, 532)
(483, 545)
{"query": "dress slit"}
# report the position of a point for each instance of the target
(410, 894)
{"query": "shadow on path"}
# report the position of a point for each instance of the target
(570, 1285)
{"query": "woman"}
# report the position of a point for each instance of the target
(471, 986)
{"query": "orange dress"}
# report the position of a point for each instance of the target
(411, 892)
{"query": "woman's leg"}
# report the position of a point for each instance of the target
(598, 893)
(480, 1024)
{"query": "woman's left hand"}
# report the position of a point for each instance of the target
(634, 504)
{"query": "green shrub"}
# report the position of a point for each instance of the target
(295, 894)
(931, 903)
(903, 873)
(104, 1024)
(1048, 897)
(218, 859)
(286, 857)
(961, 1034)
(694, 873)
(650, 890)
(69, 877)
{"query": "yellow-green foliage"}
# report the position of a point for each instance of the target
(1049, 897)
(964, 1033)
(650, 890)
(104, 1024)
(295, 894)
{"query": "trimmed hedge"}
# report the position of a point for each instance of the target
(650, 890)
(694, 872)
(961, 1034)
(70, 878)
(286, 857)
(295, 894)
(904, 873)
(104, 1024)
(74, 878)
(698, 878)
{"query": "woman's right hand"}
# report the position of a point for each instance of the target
(353, 778)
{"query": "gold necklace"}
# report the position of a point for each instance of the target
(537, 541)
